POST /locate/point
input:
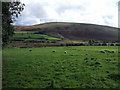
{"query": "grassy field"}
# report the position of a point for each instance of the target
(24, 35)
(81, 67)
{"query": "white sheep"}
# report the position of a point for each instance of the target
(65, 52)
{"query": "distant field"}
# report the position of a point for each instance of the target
(81, 67)
(22, 35)
(20, 32)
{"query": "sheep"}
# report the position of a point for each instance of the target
(65, 52)
(53, 50)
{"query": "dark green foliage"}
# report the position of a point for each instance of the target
(91, 42)
(104, 44)
(114, 76)
(112, 44)
(10, 10)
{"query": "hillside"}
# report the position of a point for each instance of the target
(74, 31)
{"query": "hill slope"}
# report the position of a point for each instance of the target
(74, 31)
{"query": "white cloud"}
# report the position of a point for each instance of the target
(103, 12)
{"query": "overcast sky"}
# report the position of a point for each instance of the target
(102, 12)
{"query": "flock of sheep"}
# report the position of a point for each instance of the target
(104, 51)
(52, 51)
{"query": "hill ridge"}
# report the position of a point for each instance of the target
(74, 31)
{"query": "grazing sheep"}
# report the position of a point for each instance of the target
(102, 51)
(53, 50)
(65, 52)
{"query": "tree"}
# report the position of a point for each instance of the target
(10, 11)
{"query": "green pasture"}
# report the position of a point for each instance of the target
(23, 36)
(80, 67)
(23, 32)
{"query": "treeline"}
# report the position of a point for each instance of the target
(28, 44)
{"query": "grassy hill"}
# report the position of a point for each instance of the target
(74, 31)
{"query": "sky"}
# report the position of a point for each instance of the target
(101, 12)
